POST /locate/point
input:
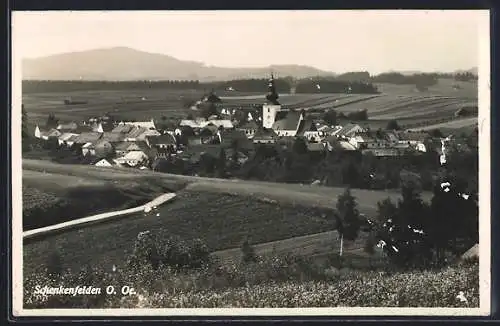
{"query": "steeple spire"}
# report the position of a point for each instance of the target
(272, 96)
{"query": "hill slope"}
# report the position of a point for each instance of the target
(122, 63)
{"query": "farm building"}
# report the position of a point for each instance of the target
(133, 158)
(166, 141)
(349, 130)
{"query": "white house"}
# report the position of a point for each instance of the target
(148, 125)
(65, 137)
(133, 158)
(226, 124)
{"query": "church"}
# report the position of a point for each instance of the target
(283, 121)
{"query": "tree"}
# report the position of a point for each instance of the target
(52, 122)
(330, 117)
(299, 146)
(25, 136)
(248, 252)
(393, 125)
(221, 164)
(347, 218)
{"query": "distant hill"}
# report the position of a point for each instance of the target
(122, 63)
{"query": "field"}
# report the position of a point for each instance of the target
(263, 211)
(399, 102)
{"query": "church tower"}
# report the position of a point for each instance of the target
(272, 105)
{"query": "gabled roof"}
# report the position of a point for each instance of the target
(165, 139)
(53, 133)
(136, 132)
(122, 146)
(306, 125)
(347, 129)
(88, 137)
(135, 155)
(190, 123)
(122, 128)
(113, 137)
(65, 136)
(289, 122)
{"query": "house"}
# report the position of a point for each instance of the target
(166, 141)
(71, 140)
(97, 127)
(190, 123)
(67, 126)
(88, 137)
(148, 133)
(226, 124)
(113, 137)
(88, 149)
(121, 148)
(307, 129)
(416, 139)
(122, 128)
(249, 128)
(65, 137)
(133, 158)
(265, 136)
(287, 123)
(349, 130)
(365, 140)
(147, 125)
(104, 163)
(135, 134)
(38, 132)
(51, 134)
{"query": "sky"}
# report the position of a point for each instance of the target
(338, 41)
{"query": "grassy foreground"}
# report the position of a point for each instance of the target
(275, 283)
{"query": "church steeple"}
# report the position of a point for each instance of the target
(272, 96)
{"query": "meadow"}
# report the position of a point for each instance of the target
(399, 102)
(262, 211)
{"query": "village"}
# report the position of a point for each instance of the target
(105, 142)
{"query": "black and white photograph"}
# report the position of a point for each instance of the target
(332, 162)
